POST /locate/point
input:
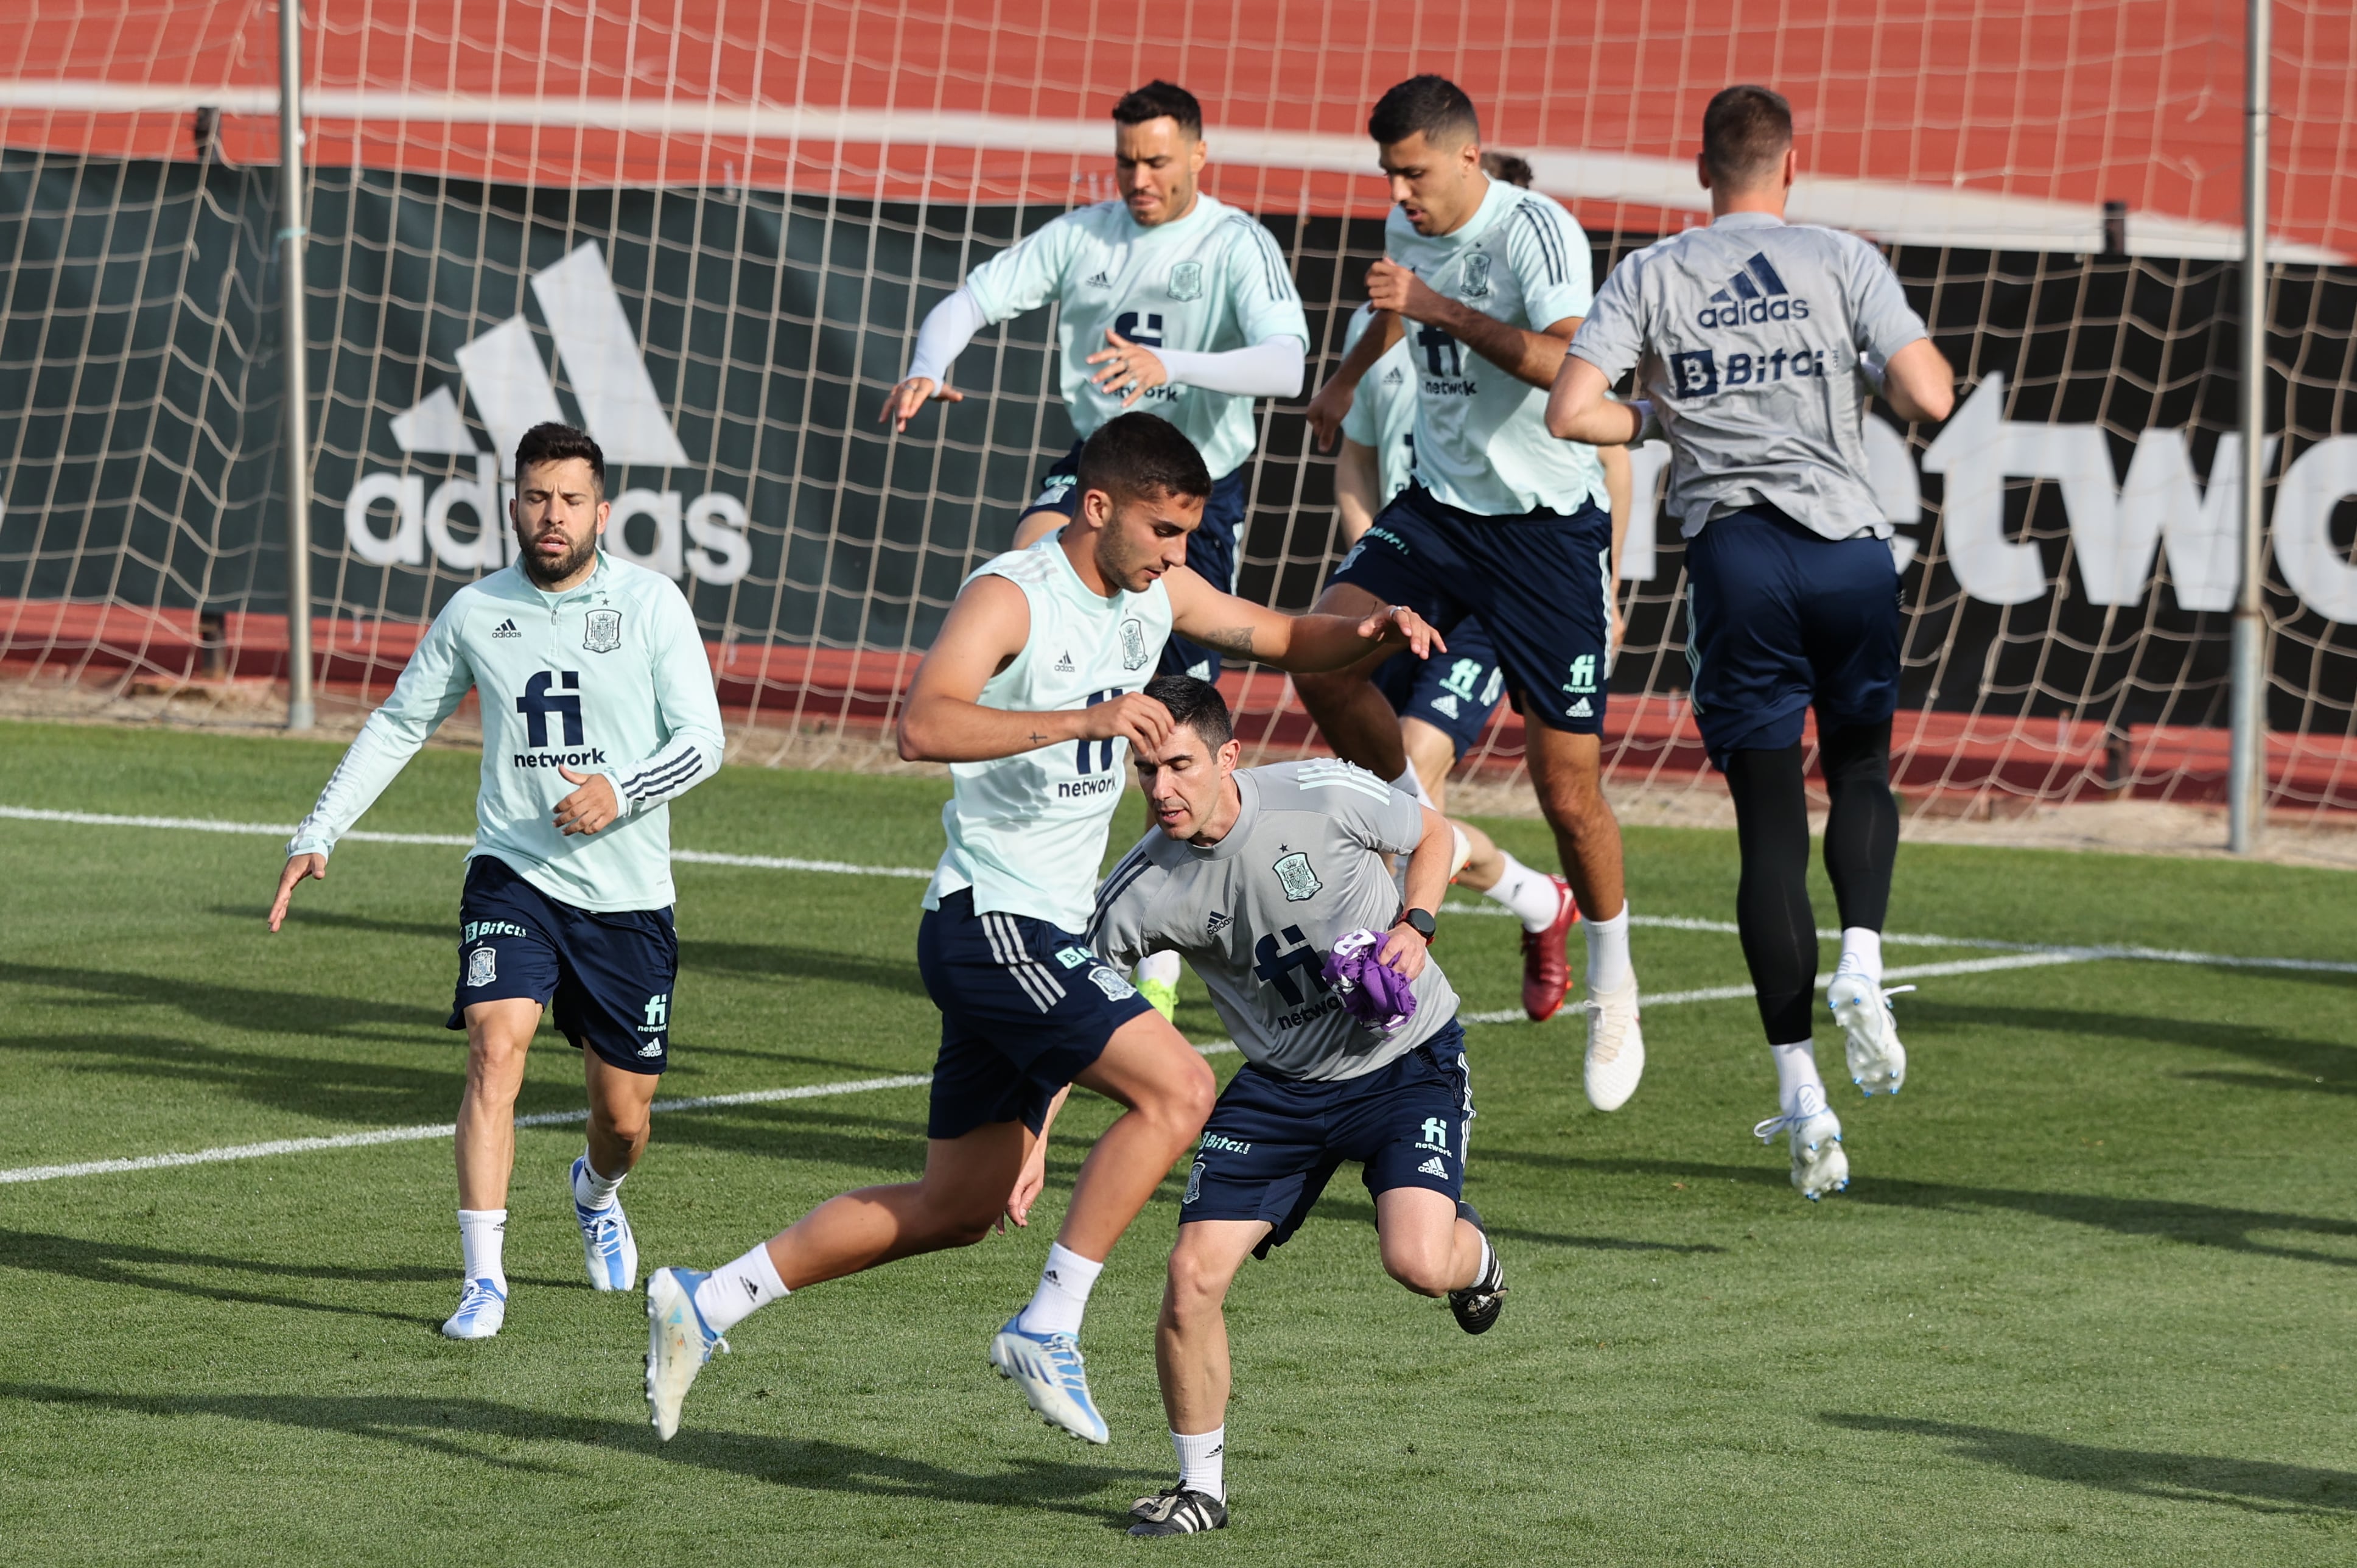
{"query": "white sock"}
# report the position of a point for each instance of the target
(1798, 1088)
(1161, 966)
(1861, 953)
(1529, 893)
(1413, 783)
(1064, 1294)
(1202, 1461)
(1463, 851)
(1608, 952)
(482, 1235)
(734, 1291)
(590, 1189)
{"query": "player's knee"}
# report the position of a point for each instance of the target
(1196, 1288)
(1189, 1103)
(1421, 1268)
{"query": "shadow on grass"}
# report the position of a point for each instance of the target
(125, 1264)
(235, 1006)
(443, 1426)
(764, 960)
(1331, 1208)
(2197, 1224)
(2257, 1486)
(2315, 1066)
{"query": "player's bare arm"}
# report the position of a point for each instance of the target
(1525, 355)
(1332, 403)
(946, 722)
(1305, 644)
(1358, 489)
(1620, 492)
(1580, 407)
(1404, 948)
(1918, 383)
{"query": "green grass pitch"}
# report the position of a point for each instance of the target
(2088, 1300)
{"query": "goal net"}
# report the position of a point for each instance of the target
(708, 231)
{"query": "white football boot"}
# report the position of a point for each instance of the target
(678, 1344)
(1616, 1047)
(1819, 1166)
(482, 1309)
(1048, 1370)
(612, 1252)
(1877, 1060)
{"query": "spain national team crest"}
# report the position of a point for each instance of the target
(1187, 281)
(1133, 645)
(1477, 275)
(601, 631)
(482, 966)
(1295, 875)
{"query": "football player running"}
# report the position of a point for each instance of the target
(597, 710)
(1756, 342)
(1275, 883)
(1504, 521)
(1033, 694)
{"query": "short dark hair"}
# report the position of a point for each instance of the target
(1137, 454)
(1514, 170)
(555, 443)
(1432, 104)
(1744, 134)
(1197, 704)
(1159, 99)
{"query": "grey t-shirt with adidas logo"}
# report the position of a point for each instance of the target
(1748, 336)
(1257, 913)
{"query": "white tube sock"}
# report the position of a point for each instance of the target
(734, 1292)
(482, 1237)
(1608, 952)
(1530, 894)
(1064, 1294)
(592, 1190)
(1202, 1461)
(1799, 1089)
(1161, 966)
(1861, 953)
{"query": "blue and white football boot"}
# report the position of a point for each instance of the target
(1820, 1164)
(606, 1240)
(482, 1307)
(1048, 1368)
(678, 1344)
(1877, 1060)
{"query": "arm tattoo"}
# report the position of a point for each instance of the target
(1232, 639)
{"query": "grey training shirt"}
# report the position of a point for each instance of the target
(1257, 912)
(1750, 334)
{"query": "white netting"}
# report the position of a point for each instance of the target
(723, 223)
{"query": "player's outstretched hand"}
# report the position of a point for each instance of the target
(1391, 287)
(1400, 625)
(900, 405)
(589, 808)
(1136, 718)
(299, 866)
(1328, 410)
(1405, 949)
(1127, 365)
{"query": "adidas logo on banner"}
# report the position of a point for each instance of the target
(506, 628)
(1755, 294)
(1432, 1167)
(512, 390)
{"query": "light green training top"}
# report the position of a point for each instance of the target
(1208, 283)
(1027, 833)
(609, 677)
(1481, 442)
(1383, 415)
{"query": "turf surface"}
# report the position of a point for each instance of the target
(2087, 1301)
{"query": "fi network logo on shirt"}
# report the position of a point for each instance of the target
(513, 388)
(1753, 294)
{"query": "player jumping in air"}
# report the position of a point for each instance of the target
(1166, 299)
(1505, 522)
(1268, 880)
(1032, 691)
(598, 709)
(1755, 343)
(1445, 703)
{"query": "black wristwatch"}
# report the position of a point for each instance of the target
(1421, 922)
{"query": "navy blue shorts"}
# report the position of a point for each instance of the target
(1211, 549)
(1781, 618)
(1455, 691)
(609, 974)
(1026, 1008)
(1541, 584)
(1273, 1142)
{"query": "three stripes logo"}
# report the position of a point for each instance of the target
(505, 629)
(1754, 294)
(513, 388)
